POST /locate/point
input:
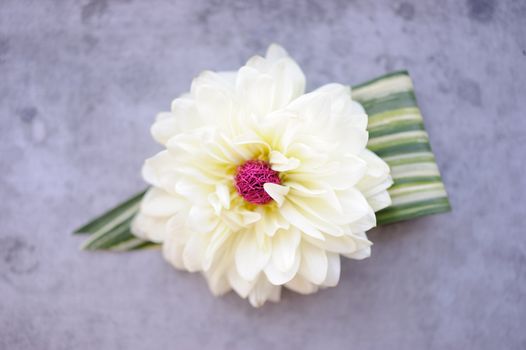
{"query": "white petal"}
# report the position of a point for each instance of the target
(312, 107)
(194, 251)
(286, 256)
(241, 218)
(257, 90)
(263, 291)
(313, 263)
(229, 77)
(240, 285)
(277, 192)
(350, 171)
(354, 204)
(159, 203)
(363, 247)
(333, 270)
(164, 128)
(185, 114)
(217, 243)
(284, 246)
(377, 176)
(217, 282)
(360, 254)
(216, 275)
(281, 163)
(270, 83)
(365, 223)
(289, 82)
(343, 245)
(275, 52)
(251, 257)
(220, 198)
(379, 201)
(202, 219)
(314, 210)
(271, 221)
(160, 171)
(277, 276)
(291, 214)
(301, 285)
(149, 227)
(213, 97)
(175, 240)
(224, 195)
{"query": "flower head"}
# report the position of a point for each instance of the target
(251, 178)
(260, 185)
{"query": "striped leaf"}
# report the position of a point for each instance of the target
(396, 134)
(111, 230)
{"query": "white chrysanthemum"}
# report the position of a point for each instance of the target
(261, 185)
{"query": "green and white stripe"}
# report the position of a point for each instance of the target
(396, 134)
(111, 230)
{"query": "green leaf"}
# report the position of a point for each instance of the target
(113, 217)
(111, 230)
(396, 134)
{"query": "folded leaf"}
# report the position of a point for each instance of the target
(111, 230)
(396, 134)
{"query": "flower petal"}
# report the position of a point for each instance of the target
(286, 256)
(279, 277)
(164, 128)
(284, 246)
(251, 257)
(175, 240)
(194, 251)
(301, 285)
(275, 52)
(363, 249)
(160, 171)
(333, 270)
(149, 227)
(291, 214)
(240, 285)
(281, 163)
(379, 201)
(158, 203)
(263, 291)
(314, 263)
(277, 192)
(271, 221)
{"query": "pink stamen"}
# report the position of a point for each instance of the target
(250, 178)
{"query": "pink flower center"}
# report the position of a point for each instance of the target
(250, 178)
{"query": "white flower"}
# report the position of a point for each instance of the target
(261, 185)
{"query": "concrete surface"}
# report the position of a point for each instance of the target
(80, 83)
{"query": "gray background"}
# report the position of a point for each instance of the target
(80, 83)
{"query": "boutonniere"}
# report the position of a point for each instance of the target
(260, 185)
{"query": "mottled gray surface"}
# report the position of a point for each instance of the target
(80, 83)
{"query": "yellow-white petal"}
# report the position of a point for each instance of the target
(158, 203)
(263, 291)
(333, 270)
(149, 227)
(301, 285)
(281, 163)
(250, 256)
(238, 283)
(314, 263)
(277, 192)
(286, 257)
